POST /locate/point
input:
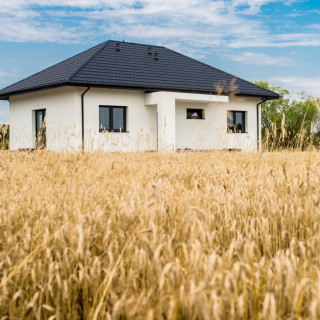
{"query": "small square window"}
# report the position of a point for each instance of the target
(236, 121)
(195, 114)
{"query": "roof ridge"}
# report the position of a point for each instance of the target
(103, 45)
(235, 77)
(138, 44)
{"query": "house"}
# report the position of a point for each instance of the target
(120, 96)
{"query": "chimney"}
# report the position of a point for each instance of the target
(156, 57)
(118, 46)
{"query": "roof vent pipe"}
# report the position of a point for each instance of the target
(149, 50)
(118, 46)
(156, 57)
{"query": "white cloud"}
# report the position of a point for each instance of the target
(4, 74)
(7, 77)
(278, 41)
(260, 59)
(24, 29)
(298, 84)
(196, 23)
(314, 26)
(252, 6)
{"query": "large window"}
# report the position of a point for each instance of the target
(237, 121)
(195, 114)
(112, 119)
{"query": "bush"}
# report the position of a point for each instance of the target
(289, 123)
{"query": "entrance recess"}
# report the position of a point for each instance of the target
(166, 113)
(40, 129)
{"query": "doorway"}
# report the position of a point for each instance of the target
(40, 129)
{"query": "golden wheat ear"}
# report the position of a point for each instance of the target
(195, 235)
(318, 104)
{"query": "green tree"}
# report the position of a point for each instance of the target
(288, 122)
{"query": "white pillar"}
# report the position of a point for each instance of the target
(166, 106)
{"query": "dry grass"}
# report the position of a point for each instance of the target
(4, 137)
(153, 236)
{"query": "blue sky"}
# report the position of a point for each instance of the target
(274, 40)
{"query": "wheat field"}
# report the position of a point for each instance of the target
(217, 235)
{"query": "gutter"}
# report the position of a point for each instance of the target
(258, 123)
(82, 117)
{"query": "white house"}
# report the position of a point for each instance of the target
(121, 96)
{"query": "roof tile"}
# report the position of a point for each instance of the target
(133, 67)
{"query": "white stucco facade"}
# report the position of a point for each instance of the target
(63, 117)
(211, 132)
(154, 121)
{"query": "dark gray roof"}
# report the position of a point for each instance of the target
(132, 67)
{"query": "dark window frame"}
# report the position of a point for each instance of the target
(192, 110)
(40, 131)
(111, 129)
(234, 112)
(43, 111)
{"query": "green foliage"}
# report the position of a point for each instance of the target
(4, 137)
(289, 123)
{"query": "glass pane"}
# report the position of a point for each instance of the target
(238, 117)
(39, 119)
(230, 117)
(239, 122)
(194, 113)
(104, 119)
(118, 117)
(230, 122)
(41, 130)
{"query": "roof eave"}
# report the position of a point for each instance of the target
(154, 89)
(7, 95)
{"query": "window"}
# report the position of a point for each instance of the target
(195, 114)
(40, 121)
(112, 119)
(237, 121)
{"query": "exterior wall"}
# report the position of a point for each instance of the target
(166, 111)
(141, 121)
(211, 133)
(63, 116)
